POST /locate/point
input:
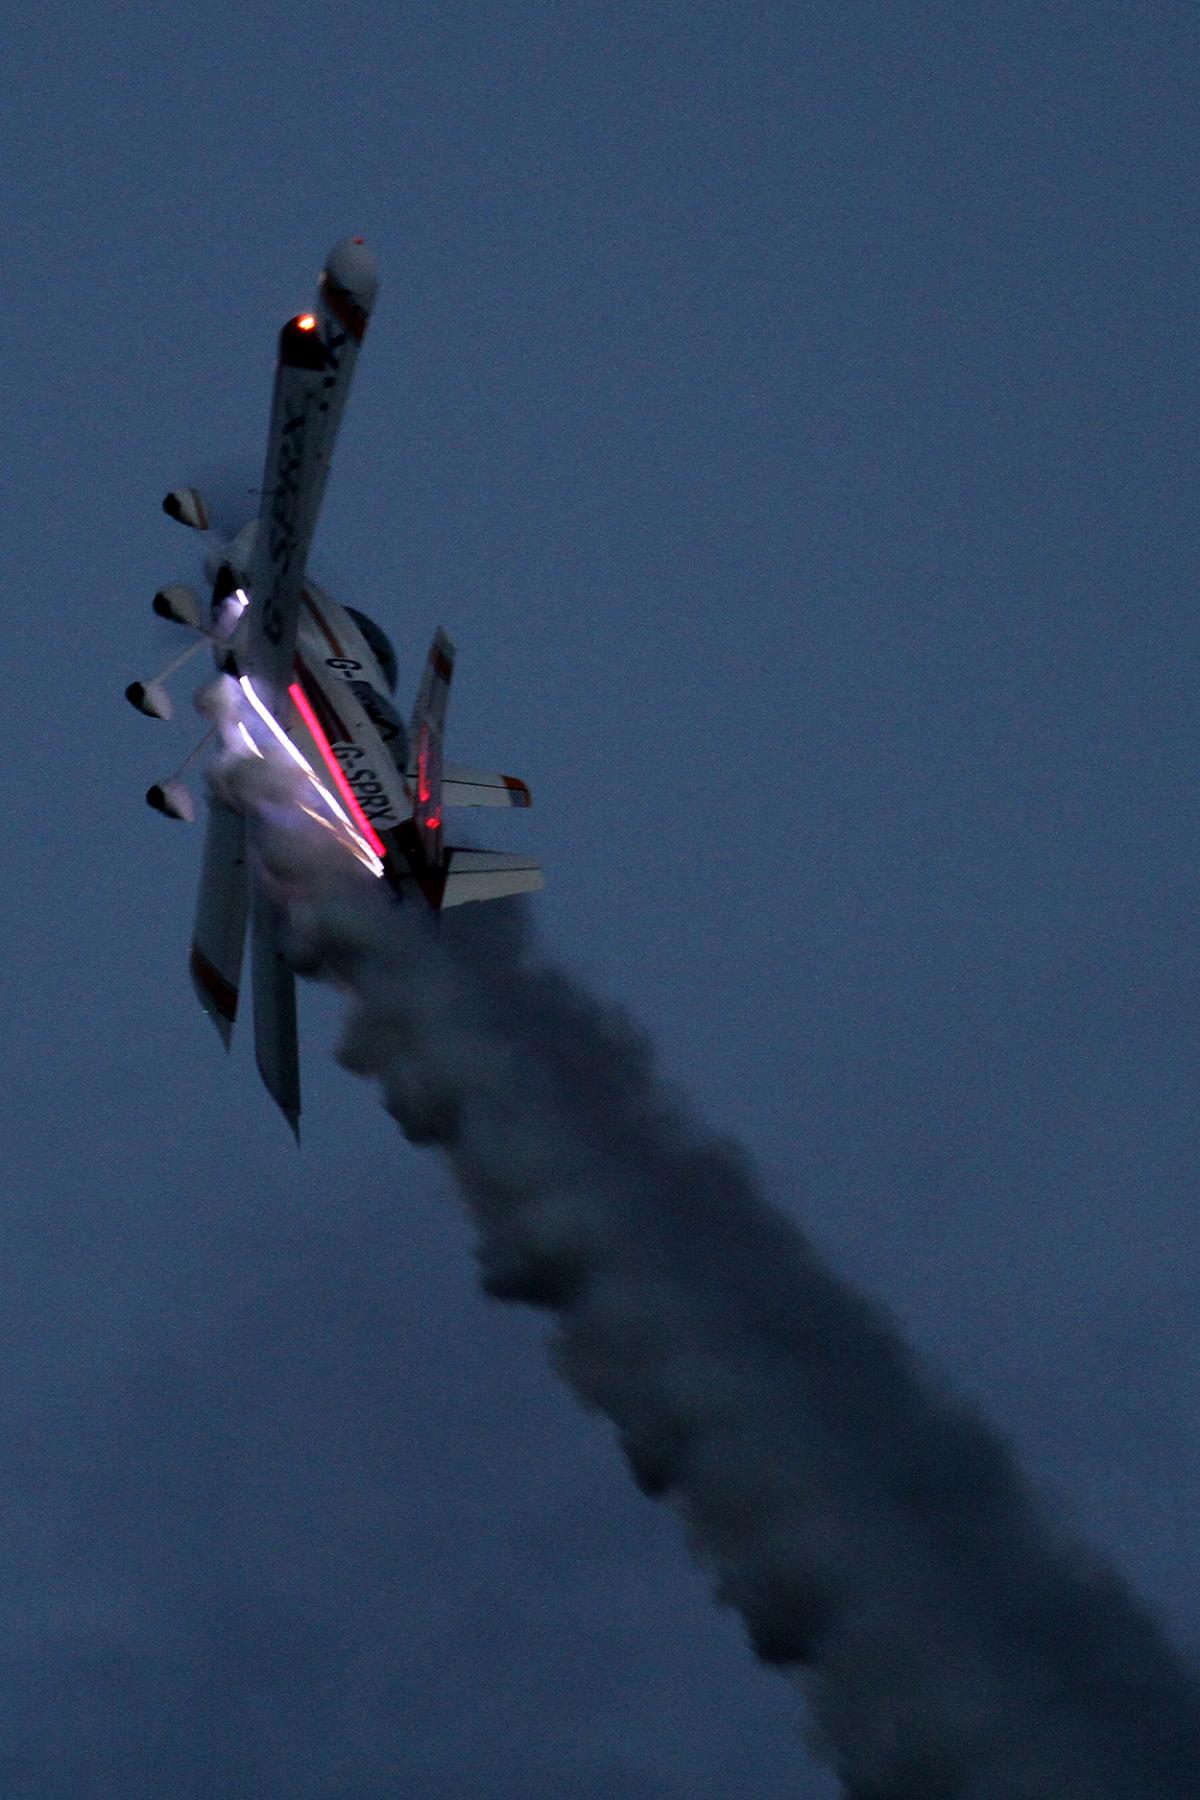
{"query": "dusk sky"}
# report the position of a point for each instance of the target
(788, 410)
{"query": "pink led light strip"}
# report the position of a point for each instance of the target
(364, 850)
(331, 762)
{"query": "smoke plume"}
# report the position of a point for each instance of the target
(874, 1534)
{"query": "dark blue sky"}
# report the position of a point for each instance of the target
(788, 409)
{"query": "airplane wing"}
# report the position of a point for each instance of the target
(317, 353)
(221, 906)
(345, 295)
(285, 525)
(276, 1042)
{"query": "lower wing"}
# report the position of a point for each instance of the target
(221, 906)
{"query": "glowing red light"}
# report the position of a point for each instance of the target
(306, 322)
(423, 792)
(300, 699)
(434, 822)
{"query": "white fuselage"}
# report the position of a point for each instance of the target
(336, 709)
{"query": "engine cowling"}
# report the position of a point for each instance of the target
(173, 799)
(180, 604)
(187, 505)
(150, 697)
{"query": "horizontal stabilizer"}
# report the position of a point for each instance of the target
(478, 875)
(479, 787)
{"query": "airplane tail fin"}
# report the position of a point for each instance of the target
(446, 874)
(425, 740)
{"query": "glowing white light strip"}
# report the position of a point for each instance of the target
(319, 819)
(359, 844)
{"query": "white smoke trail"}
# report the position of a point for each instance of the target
(872, 1533)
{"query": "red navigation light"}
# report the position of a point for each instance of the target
(424, 792)
(306, 322)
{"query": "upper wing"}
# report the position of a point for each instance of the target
(317, 353)
(345, 295)
(289, 514)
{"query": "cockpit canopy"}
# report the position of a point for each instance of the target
(379, 644)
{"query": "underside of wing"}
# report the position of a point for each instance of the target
(220, 928)
(292, 477)
(276, 1044)
(487, 875)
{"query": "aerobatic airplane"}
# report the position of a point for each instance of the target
(306, 685)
